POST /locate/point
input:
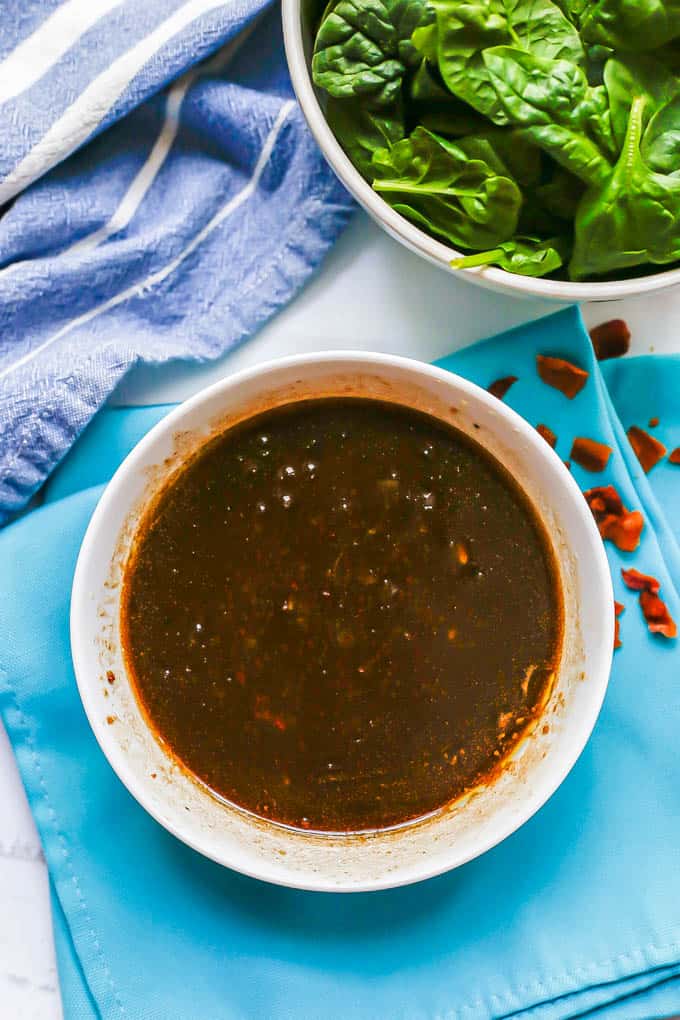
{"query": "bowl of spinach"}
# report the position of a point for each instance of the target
(532, 144)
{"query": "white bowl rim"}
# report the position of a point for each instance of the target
(598, 568)
(410, 235)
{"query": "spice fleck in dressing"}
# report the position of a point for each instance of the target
(341, 615)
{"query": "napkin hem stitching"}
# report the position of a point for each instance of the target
(61, 839)
(545, 985)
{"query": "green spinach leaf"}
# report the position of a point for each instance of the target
(454, 120)
(527, 256)
(464, 30)
(641, 76)
(435, 184)
(660, 147)
(363, 48)
(632, 218)
(508, 152)
(433, 106)
(361, 131)
(639, 25)
(561, 194)
(557, 109)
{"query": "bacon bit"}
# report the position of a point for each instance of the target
(648, 450)
(240, 677)
(110, 676)
(610, 339)
(659, 620)
(451, 634)
(462, 554)
(501, 386)
(548, 435)
(636, 581)
(154, 775)
(591, 455)
(655, 611)
(615, 522)
(110, 719)
(653, 422)
(674, 456)
(618, 609)
(562, 375)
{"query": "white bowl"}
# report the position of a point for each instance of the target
(299, 20)
(234, 837)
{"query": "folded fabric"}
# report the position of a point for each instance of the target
(175, 233)
(576, 912)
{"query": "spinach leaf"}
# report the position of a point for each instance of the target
(433, 106)
(555, 106)
(452, 120)
(507, 152)
(363, 48)
(632, 218)
(527, 256)
(660, 147)
(436, 185)
(464, 30)
(642, 76)
(561, 194)
(361, 131)
(639, 25)
(426, 87)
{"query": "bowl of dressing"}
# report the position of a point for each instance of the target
(342, 622)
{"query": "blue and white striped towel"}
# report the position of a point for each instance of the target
(174, 233)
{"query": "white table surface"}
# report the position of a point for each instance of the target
(372, 294)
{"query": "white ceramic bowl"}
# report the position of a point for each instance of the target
(299, 20)
(308, 860)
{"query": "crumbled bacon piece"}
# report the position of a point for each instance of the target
(636, 581)
(501, 386)
(659, 620)
(590, 454)
(653, 422)
(562, 375)
(548, 435)
(654, 609)
(618, 609)
(648, 450)
(674, 456)
(617, 635)
(610, 339)
(615, 521)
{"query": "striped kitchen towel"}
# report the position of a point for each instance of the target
(192, 205)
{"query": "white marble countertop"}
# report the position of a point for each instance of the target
(372, 294)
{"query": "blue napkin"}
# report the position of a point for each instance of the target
(578, 911)
(175, 233)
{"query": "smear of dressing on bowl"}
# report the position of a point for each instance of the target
(341, 615)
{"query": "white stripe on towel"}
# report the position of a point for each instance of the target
(146, 175)
(150, 281)
(79, 121)
(34, 56)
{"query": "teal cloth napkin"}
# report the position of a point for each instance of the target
(578, 911)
